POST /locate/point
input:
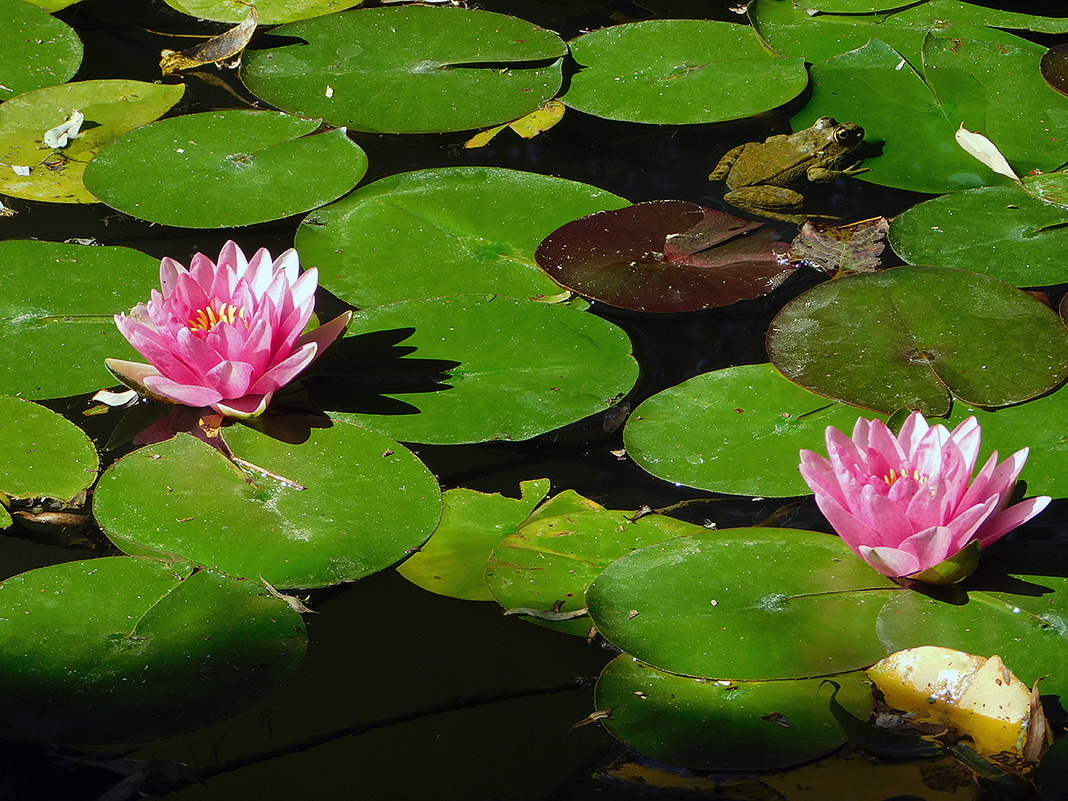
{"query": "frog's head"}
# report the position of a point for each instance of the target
(838, 139)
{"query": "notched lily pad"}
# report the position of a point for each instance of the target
(42, 454)
(746, 603)
(443, 231)
(225, 168)
(665, 256)
(57, 310)
(550, 561)
(271, 12)
(409, 69)
(914, 108)
(280, 518)
(120, 650)
(723, 725)
(737, 430)
(676, 72)
(915, 337)
(995, 230)
(1020, 618)
(452, 562)
(471, 368)
(39, 50)
(110, 108)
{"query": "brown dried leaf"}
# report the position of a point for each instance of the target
(1039, 737)
(843, 249)
(214, 50)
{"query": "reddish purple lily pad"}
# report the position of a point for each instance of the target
(665, 256)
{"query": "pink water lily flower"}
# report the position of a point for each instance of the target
(224, 335)
(903, 503)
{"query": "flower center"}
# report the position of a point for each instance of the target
(895, 475)
(207, 318)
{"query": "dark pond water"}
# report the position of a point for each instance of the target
(382, 651)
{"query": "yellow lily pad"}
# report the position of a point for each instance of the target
(970, 695)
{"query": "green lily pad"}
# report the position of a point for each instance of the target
(111, 108)
(56, 314)
(52, 5)
(441, 232)
(992, 87)
(724, 725)
(39, 50)
(42, 454)
(282, 518)
(737, 430)
(409, 69)
(1025, 628)
(1050, 187)
(272, 12)
(548, 563)
(747, 603)
(225, 168)
(483, 368)
(453, 560)
(998, 231)
(677, 72)
(792, 31)
(914, 337)
(127, 650)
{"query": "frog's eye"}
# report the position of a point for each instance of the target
(824, 122)
(843, 134)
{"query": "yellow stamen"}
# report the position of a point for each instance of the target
(207, 318)
(894, 476)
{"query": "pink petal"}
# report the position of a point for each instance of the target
(285, 371)
(159, 352)
(230, 378)
(883, 441)
(169, 270)
(288, 263)
(244, 408)
(231, 257)
(1001, 523)
(930, 547)
(913, 430)
(182, 393)
(324, 335)
(885, 517)
(890, 561)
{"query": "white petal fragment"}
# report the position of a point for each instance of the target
(986, 151)
(61, 135)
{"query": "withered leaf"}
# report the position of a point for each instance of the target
(216, 49)
(842, 250)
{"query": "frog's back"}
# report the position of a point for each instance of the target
(781, 161)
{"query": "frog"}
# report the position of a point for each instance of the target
(766, 178)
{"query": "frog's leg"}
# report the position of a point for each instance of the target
(725, 164)
(820, 175)
(768, 201)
